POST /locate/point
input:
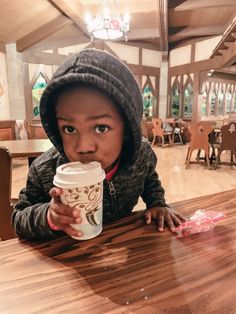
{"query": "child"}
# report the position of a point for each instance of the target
(91, 110)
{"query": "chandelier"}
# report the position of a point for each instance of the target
(108, 25)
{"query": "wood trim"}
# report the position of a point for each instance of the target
(2, 47)
(144, 70)
(59, 43)
(193, 48)
(27, 92)
(42, 33)
(44, 58)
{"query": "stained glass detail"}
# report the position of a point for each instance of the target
(188, 101)
(147, 101)
(175, 102)
(37, 91)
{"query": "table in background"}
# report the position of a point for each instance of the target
(129, 268)
(27, 148)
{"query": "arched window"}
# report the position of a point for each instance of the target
(234, 100)
(213, 102)
(147, 101)
(221, 102)
(228, 100)
(175, 105)
(188, 101)
(37, 90)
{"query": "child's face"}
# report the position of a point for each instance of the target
(90, 126)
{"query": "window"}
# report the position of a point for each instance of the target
(213, 102)
(147, 102)
(228, 101)
(175, 106)
(221, 102)
(188, 101)
(37, 91)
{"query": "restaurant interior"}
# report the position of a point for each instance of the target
(183, 56)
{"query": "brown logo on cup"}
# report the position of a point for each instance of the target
(87, 198)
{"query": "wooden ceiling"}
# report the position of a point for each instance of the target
(161, 24)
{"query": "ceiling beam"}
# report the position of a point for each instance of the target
(140, 34)
(228, 37)
(163, 24)
(195, 31)
(74, 10)
(228, 56)
(203, 4)
(42, 32)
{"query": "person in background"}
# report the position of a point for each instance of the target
(91, 110)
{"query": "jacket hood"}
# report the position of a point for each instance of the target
(110, 75)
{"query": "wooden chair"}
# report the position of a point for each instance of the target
(36, 131)
(227, 142)
(177, 130)
(159, 133)
(7, 130)
(199, 140)
(144, 127)
(6, 205)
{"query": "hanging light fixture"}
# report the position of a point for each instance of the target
(108, 25)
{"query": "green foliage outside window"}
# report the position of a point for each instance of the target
(37, 91)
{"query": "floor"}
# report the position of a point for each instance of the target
(179, 183)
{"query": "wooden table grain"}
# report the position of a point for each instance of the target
(129, 268)
(27, 148)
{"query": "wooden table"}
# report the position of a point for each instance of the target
(129, 268)
(27, 148)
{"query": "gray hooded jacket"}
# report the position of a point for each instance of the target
(136, 175)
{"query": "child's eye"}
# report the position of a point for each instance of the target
(69, 129)
(101, 128)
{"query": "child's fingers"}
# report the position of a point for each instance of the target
(170, 223)
(160, 222)
(61, 209)
(182, 218)
(175, 219)
(55, 193)
(65, 220)
(148, 216)
(71, 231)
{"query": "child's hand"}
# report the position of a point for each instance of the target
(164, 215)
(61, 215)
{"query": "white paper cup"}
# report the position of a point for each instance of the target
(82, 186)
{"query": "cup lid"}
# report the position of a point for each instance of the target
(78, 174)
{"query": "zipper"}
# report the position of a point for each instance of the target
(112, 195)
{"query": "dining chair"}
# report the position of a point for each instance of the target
(199, 141)
(36, 131)
(6, 203)
(144, 128)
(228, 143)
(159, 133)
(7, 130)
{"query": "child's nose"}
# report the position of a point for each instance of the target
(85, 144)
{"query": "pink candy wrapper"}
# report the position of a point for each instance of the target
(201, 221)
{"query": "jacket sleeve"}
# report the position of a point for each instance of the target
(153, 194)
(29, 216)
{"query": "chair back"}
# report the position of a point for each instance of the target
(228, 137)
(199, 135)
(144, 127)
(7, 130)
(36, 131)
(6, 230)
(157, 127)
